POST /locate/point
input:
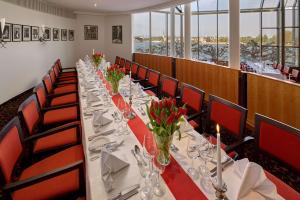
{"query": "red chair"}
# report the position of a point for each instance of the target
(142, 74)
(295, 75)
(127, 66)
(274, 65)
(122, 62)
(193, 98)
(71, 71)
(286, 70)
(279, 67)
(281, 142)
(151, 85)
(117, 60)
(59, 176)
(59, 82)
(63, 89)
(61, 77)
(54, 100)
(230, 117)
(169, 87)
(134, 70)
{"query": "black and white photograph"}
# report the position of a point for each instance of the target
(34, 33)
(91, 32)
(26, 30)
(47, 34)
(71, 35)
(55, 34)
(117, 34)
(64, 34)
(6, 35)
(17, 32)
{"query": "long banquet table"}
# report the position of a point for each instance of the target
(177, 183)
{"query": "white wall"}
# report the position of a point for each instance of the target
(22, 64)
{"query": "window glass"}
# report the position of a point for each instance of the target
(269, 19)
(248, 4)
(141, 32)
(158, 33)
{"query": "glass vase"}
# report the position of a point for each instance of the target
(163, 143)
(115, 87)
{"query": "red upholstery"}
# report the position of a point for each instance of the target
(192, 98)
(226, 116)
(40, 92)
(65, 89)
(296, 74)
(31, 116)
(122, 62)
(213, 140)
(134, 69)
(60, 115)
(169, 86)
(55, 187)
(279, 67)
(142, 73)
(288, 142)
(150, 93)
(127, 66)
(117, 61)
(65, 99)
(58, 139)
(153, 78)
(282, 188)
(286, 70)
(10, 151)
(48, 84)
(68, 74)
(52, 76)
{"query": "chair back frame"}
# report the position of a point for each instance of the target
(155, 72)
(163, 78)
(144, 76)
(201, 92)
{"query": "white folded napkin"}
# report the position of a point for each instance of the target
(100, 120)
(110, 165)
(253, 182)
(91, 97)
(185, 126)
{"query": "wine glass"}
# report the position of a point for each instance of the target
(158, 188)
(193, 153)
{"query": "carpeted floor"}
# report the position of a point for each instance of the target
(9, 109)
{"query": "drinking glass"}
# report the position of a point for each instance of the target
(193, 153)
(158, 188)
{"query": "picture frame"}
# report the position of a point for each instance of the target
(90, 32)
(47, 34)
(35, 33)
(56, 34)
(16, 32)
(64, 34)
(71, 35)
(26, 33)
(7, 33)
(117, 34)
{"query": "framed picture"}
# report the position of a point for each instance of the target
(64, 34)
(35, 33)
(17, 32)
(90, 32)
(71, 35)
(47, 34)
(117, 34)
(7, 33)
(55, 34)
(26, 30)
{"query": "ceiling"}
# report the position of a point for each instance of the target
(108, 6)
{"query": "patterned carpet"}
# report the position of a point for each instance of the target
(9, 109)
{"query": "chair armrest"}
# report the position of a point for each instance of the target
(58, 107)
(238, 144)
(61, 84)
(150, 87)
(40, 178)
(68, 69)
(53, 131)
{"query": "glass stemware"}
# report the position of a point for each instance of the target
(158, 188)
(193, 153)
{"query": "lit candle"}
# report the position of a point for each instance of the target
(93, 51)
(130, 82)
(2, 20)
(219, 164)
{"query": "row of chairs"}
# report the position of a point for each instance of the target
(41, 155)
(271, 136)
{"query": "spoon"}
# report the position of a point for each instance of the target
(138, 152)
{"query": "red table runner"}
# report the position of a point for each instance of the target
(179, 183)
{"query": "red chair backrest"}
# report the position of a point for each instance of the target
(117, 61)
(29, 112)
(274, 65)
(122, 62)
(10, 149)
(56, 70)
(127, 65)
(193, 97)
(279, 67)
(134, 69)
(228, 115)
(59, 64)
(48, 84)
(278, 139)
(169, 86)
(153, 77)
(286, 70)
(295, 74)
(142, 73)
(52, 75)
(40, 92)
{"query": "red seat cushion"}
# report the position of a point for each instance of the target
(65, 99)
(59, 139)
(65, 89)
(55, 187)
(282, 188)
(60, 115)
(150, 93)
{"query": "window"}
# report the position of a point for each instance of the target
(159, 33)
(141, 33)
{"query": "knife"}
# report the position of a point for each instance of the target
(126, 193)
(214, 170)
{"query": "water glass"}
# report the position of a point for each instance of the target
(193, 153)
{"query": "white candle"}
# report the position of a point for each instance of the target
(219, 164)
(2, 20)
(93, 51)
(130, 83)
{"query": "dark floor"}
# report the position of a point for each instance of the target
(9, 109)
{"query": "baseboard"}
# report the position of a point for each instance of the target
(16, 97)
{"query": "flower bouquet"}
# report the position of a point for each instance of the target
(165, 118)
(114, 74)
(97, 57)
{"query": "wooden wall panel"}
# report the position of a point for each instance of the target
(213, 79)
(277, 99)
(163, 64)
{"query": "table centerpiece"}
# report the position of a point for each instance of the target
(114, 74)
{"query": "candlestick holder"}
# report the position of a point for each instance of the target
(220, 192)
(131, 114)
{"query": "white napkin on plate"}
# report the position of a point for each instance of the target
(110, 164)
(100, 120)
(253, 182)
(91, 97)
